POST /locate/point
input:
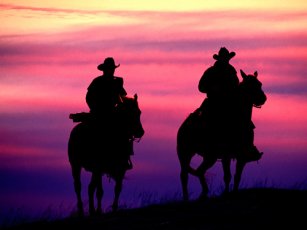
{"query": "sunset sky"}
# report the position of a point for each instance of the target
(50, 51)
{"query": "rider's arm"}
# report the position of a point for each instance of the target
(122, 91)
(91, 97)
(203, 84)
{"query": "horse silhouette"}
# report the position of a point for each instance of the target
(104, 152)
(192, 135)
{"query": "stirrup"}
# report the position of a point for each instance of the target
(254, 154)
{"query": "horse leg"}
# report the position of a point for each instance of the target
(185, 160)
(227, 173)
(117, 190)
(201, 170)
(237, 177)
(91, 190)
(99, 194)
(184, 177)
(76, 173)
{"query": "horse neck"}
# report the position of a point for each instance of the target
(124, 115)
(245, 103)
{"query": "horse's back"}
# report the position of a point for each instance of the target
(185, 128)
(191, 134)
(197, 135)
(97, 150)
(79, 146)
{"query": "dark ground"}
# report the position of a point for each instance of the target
(248, 209)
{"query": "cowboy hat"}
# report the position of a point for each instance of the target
(224, 54)
(108, 63)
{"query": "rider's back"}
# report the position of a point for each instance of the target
(219, 81)
(104, 93)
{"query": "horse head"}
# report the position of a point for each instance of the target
(132, 116)
(253, 87)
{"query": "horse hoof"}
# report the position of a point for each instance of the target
(92, 212)
(99, 212)
(225, 193)
(114, 208)
(203, 197)
(81, 213)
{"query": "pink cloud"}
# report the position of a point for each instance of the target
(46, 9)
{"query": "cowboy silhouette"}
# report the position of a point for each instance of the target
(105, 91)
(218, 110)
(220, 83)
(104, 95)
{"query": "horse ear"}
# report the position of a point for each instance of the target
(135, 97)
(256, 74)
(243, 74)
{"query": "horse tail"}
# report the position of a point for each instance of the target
(75, 146)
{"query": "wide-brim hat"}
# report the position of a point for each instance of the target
(108, 63)
(224, 54)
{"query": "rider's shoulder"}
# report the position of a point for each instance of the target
(232, 70)
(95, 80)
(210, 70)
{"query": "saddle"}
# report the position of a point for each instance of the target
(104, 138)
